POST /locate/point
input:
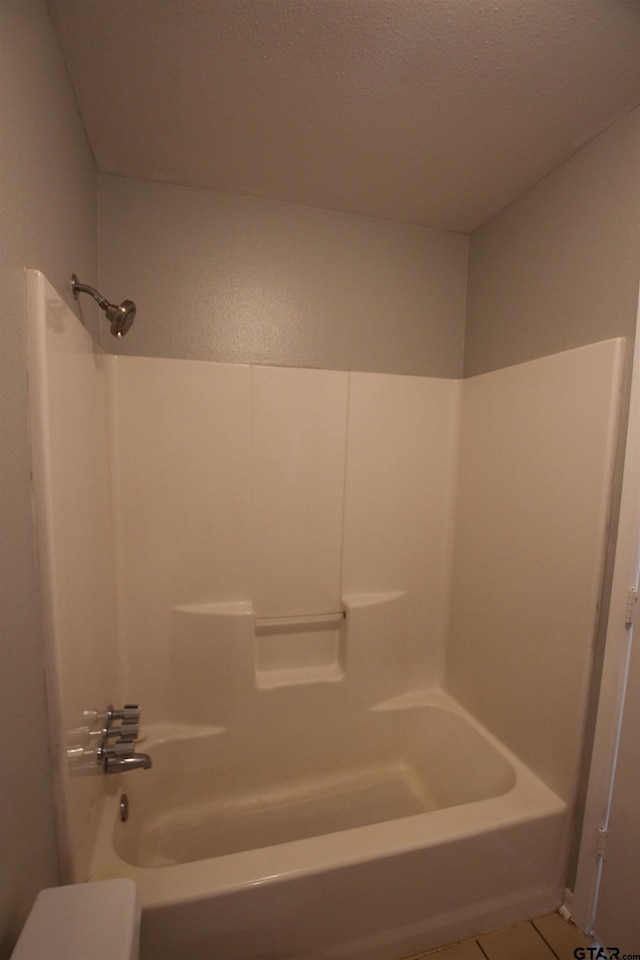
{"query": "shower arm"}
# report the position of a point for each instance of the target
(78, 287)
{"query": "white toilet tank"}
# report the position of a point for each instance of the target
(83, 921)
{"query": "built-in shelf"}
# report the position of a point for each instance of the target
(298, 650)
(322, 673)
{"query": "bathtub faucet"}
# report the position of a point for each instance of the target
(120, 756)
(137, 761)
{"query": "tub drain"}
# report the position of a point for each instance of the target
(124, 807)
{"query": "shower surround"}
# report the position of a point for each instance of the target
(358, 610)
(287, 489)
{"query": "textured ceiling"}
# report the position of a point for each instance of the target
(431, 111)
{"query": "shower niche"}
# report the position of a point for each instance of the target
(291, 650)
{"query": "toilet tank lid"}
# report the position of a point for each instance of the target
(83, 921)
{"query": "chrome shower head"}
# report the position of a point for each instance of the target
(120, 316)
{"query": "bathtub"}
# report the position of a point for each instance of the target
(412, 828)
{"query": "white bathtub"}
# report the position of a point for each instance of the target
(410, 829)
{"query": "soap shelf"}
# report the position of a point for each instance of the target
(268, 679)
(299, 649)
(315, 621)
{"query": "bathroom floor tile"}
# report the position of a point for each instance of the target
(461, 951)
(545, 938)
(522, 941)
(561, 936)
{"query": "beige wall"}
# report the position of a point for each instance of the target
(241, 280)
(47, 220)
(559, 267)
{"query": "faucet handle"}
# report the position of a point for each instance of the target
(130, 713)
(121, 748)
(126, 731)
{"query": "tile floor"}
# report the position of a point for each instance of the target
(546, 938)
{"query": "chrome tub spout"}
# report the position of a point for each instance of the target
(137, 761)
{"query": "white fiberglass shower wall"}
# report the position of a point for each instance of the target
(293, 491)
(301, 491)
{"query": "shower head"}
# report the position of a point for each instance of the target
(120, 316)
